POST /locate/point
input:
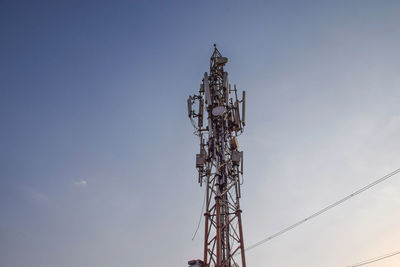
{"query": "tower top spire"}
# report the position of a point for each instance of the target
(217, 60)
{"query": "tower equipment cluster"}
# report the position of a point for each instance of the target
(220, 164)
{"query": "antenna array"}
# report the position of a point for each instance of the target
(220, 163)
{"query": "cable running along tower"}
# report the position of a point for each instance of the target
(220, 164)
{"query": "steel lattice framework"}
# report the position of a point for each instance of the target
(220, 163)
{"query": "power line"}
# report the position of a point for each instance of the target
(375, 259)
(323, 210)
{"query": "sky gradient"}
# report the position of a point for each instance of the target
(97, 158)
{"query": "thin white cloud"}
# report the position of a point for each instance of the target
(81, 183)
(36, 195)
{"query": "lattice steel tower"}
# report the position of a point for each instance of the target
(220, 164)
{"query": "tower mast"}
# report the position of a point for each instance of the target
(220, 164)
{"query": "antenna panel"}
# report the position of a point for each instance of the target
(226, 85)
(241, 162)
(244, 108)
(207, 89)
(189, 103)
(201, 110)
(210, 130)
(237, 116)
(225, 79)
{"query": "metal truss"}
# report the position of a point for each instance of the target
(220, 163)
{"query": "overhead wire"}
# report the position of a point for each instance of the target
(323, 210)
(365, 262)
(201, 215)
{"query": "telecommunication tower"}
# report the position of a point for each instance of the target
(220, 164)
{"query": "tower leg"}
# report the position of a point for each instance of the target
(239, 215)
(219, 237)
(206, 234)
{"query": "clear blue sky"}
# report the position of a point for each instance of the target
(97, 154)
